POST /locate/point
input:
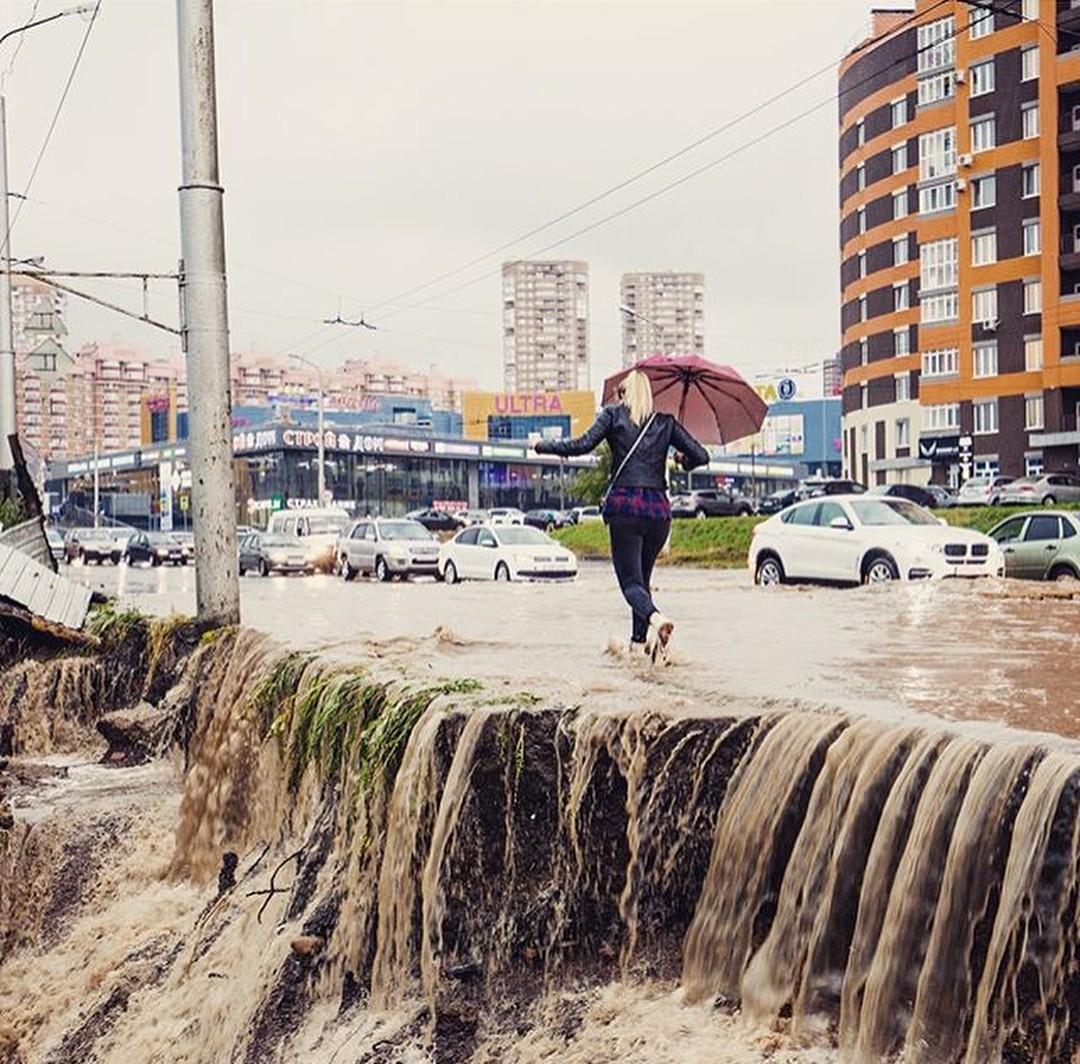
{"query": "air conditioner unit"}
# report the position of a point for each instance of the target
(990, 326)
(1076, 349)
(966, 159)
(961, 184)
(961, 76)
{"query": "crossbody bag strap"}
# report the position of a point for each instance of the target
(626, 457)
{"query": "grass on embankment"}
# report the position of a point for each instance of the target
(723, 542)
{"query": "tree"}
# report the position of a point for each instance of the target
(590, 485)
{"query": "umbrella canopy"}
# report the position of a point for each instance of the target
(713, 402)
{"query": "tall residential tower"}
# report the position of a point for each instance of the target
(960, 237)
(545, 326)
(662, 314)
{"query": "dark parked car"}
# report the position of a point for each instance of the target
(546, 520)
(91, 545)
(712, 502)
(776, 501)
(154, 548)
(813, 486)
(945, 498)
(436, 520)
(911, 492)
(274, 552)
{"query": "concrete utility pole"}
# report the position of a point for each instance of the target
(7, 330)
(205, 323)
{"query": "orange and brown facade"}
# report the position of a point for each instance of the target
(960, 242)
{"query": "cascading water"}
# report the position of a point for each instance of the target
(434, 871)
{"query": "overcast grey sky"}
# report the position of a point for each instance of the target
(367, 148)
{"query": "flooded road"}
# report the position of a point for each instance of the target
(993, 651)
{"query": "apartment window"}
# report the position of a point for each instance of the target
(1033, 466)
(937, 264)
(983, 191)
(1033, 412)
(936, 87)
(860, 133)
(1029, 63)
(982, 77)
(984, 416)
(860, 176)
(983, 133)
(862, 219)
(981, 21)
(1033, 353)
(940, 363)
(941, 416)
(900, 300)
(937, 154)
(986, 467)
(899, 158)
(1032, 297)
(1029, 121)
(899, 203)
(984, 306)
(900, 250)
(862, 263)
(935, 198)
(939, 308)
(1032, 237)
(1029, 9)
(899, 112)
(1029, 180)
(985, 360)
(862, 308)
(903, 387)
(984, 247)
(864, 396)
(936, 45)
(864, 351)
(903, 430)
(901, 342)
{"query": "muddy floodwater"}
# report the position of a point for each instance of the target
(995, 651)
(843, 825)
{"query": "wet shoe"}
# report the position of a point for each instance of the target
(636, 654)
(660, 629)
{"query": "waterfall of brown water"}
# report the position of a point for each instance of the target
(50, 704)
(888, 888)
(758, 824)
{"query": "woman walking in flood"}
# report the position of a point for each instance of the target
(636, 507)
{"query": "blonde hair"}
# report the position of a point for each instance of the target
(635, 391)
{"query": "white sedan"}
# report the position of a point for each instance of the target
(504, 552)
(851, 539)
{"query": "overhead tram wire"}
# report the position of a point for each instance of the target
(56, 116)
(681, 180)
(619, 186)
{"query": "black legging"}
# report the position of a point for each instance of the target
(635, 544)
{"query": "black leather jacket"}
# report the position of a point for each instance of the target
(647, 467)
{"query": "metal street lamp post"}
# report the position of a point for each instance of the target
(322, 442)
(8, 426)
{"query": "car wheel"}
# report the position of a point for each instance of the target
(382, 570)
(1048, 500)
(769, 572)
(264, 567)
(880, 570)
(1062, 574)
(450, 573)
(242, 570)
(502, 571)
(700, 514)
(348, 573)
(155, 561)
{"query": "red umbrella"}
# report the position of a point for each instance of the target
(714, 403)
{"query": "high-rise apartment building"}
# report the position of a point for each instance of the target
(960, 236)
(545, 326)
(663, 313)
